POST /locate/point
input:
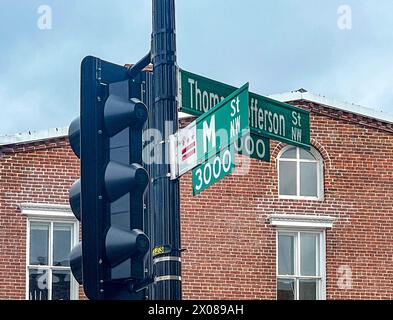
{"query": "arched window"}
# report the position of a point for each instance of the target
(300, 174)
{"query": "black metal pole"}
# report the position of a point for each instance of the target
(164, 206)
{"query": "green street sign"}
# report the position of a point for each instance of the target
(254, 146)
(222, 125)
(267, 117)
(213, 170)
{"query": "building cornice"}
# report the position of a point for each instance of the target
(304, 95)
(46, 210)
(301, 221)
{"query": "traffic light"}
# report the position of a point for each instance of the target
(108, 198)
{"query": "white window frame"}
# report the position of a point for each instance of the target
(296, 224)
(320, 262)
(320, 183)
(50, 214)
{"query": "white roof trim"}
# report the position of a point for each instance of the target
(53, 133)
(45, 210)
(33, 136)
(333, 103)
(27, 137)
(301, 221)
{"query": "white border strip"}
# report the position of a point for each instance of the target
(33, 136)
(303, 221)
(166, 258)
(166, 278)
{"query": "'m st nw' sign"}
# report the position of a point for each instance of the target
(267, 117)
(222, 125)
(212, 132)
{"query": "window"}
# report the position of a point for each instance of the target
(301, 257)
(300, 174)
(300, 265)
(49, 274)
(52, 231)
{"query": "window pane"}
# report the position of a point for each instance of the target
(308, 179)
(38, 284)
(285, 289)
(286, 254)
(287, 178)
(307, 155)
(308, 289)
(308, 254)
(61, 285)
(39, 235)
(289, 154)
(62, 234)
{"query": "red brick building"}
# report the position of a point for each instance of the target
(306, 225)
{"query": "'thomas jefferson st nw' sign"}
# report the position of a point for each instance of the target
(267, 117)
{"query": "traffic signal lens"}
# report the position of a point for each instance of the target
(74, 136)
(121, 179)
(75, 199)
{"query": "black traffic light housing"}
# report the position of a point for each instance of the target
(108, 199)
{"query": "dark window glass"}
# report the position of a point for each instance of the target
(286, 254)
(287, 179)
(304, 154)
(308, 254)
(38, 284)
(39, 239)
(61, 285)
(307, 289)
(61, 244)
(289, 154)
(285, 289)
(308, 179)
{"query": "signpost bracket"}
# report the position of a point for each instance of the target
(139, 66)
(173, 165)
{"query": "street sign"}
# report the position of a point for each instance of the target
(213, 170)
(222, 125)
(267, 117)
(213, 131)
(186, 149)
(254, 146)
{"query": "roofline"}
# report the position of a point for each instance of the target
(55, 133)
(47, 134)
(334, 104)
(33, 136)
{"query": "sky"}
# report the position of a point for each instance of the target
(339, 49)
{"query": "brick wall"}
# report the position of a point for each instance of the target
(39, 173)
(231, 249)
